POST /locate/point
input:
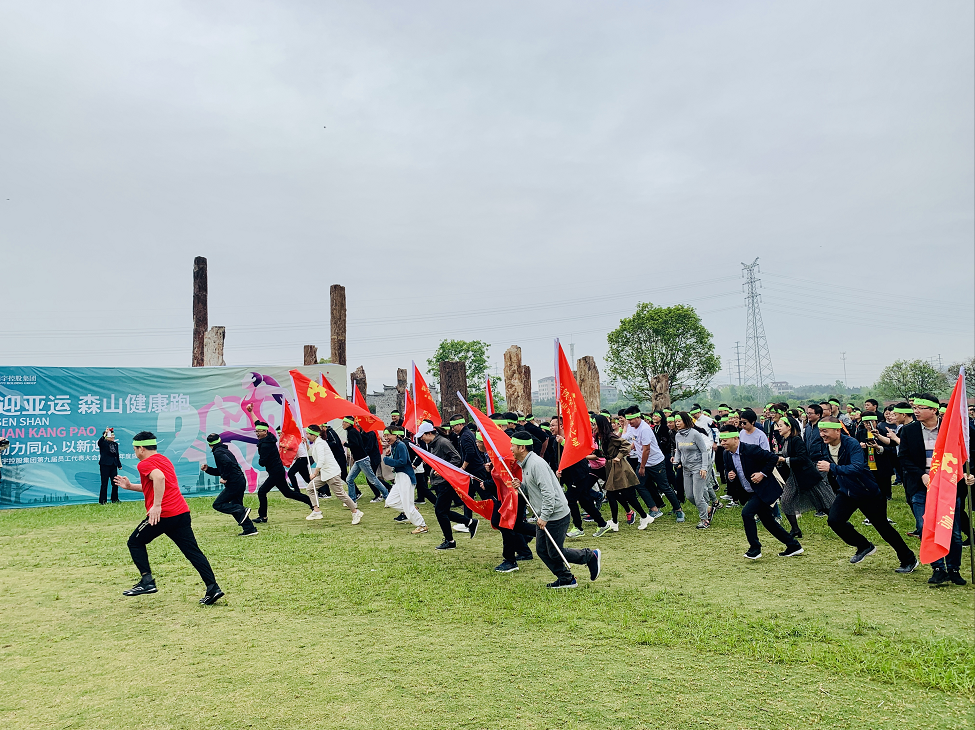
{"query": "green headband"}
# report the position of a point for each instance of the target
(668, 411)
(631, 416)
(868, 418)
(479, 437)
(459, 421)
(145, 442)
(312, 433)
(396, 431)
(349, 419)
(834, 401)
(830, 424)
(724, 436)
(521, 441)
(904, 410)
(395, 413)
(212, 443)
(696, 410)
(943, 409)
(926, 402)
(261, 428)
(546, 427)
(671, 419)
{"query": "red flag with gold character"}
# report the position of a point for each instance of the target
(318, 404)
(423, 400)
(576, 425)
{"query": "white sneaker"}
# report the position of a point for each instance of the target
(459, 528)
(377, 500)
(614, 526)
(357, 516)
(328, 496)
(315, 516)
(644, 522)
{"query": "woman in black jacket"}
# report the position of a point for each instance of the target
(804, 488)
(108, 465)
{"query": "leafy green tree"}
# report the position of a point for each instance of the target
(969, 365)
(473, 353)
(903, 377)
(658, 340)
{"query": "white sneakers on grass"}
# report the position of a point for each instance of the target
(316, 515)
(357, 516)
(645, 521)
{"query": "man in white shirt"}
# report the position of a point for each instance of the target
(647, 461)
(327, 471)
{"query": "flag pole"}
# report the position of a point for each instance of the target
(558, 403)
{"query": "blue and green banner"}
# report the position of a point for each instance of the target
(53, 418)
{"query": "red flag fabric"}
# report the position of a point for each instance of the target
(328, 385)
(426, 407)
(459, 479)
(489, 397)
(318, 404)
(409, 413)
(575, 416)
(289, 438)
(950, 453)
(372, 423)
(497, 444)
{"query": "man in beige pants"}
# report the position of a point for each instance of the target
(327, 471)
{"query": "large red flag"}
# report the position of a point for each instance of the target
(289, 438)
(426, 407)
(576, 425)
(497, 445)
(372, 423)
(318, 404)
(489, 397)
(410, 421)
(950, 453)
(460, 480)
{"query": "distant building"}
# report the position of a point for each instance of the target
(608, 393)
(546, 388)
(382, 403)
(780, 387)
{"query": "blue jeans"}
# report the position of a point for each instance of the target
(917, 507)
(363, 466)
(952, 562)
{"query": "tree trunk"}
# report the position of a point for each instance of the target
(588, 380)
(401, 390)
(199, 309)
(453, 378)
(526, 381)
(358, 379)
(661, 391)
(213, 346)
(514, 388)
(337, 293)
(311, 355)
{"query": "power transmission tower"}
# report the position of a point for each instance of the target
(758, 361)
(738, 356)
(845, 384)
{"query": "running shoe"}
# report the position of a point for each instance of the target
(142, 588)
(630, 517)
(325, 495)
(446, 545)
(863, 554)
(472, 528)
(753, 553)
(377, 500)
(422, 529)
(791, 551)
(212, 595)
(680, 516)
(909, 567)
(645, 521)
(602, 530)
(703, 524)
(400, 518)
(248, 533)
(315, 515)
(656, 514)
(955, 577)
(595, 564)
(575, 532)
(506, 567)
(260, 520)
(459, 528)
(586, 517)
(563, 584)
(357, 516)
(820, 513)
(913, 533)
(938, 577)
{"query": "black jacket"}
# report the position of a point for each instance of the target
(801, 466)
(227, 467)
(108, 453)
(338, 449)
(913, 457)
(356, 442)
(539, 437)
(850, 473)
(815, 448)
(267, 454)
(754, 459)
(442, 447)
(467, 443)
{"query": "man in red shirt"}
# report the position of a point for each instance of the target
(167, 514)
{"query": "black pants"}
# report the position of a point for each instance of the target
(875, 510)
(300, 468)
(550, 556)
(231, 502)
(177, 529)
(279, 480)
(444, 501)
(884, 475)
(653, 483)
(582, 495)
(423, 490)
(625, 497)
(679, 487)
(755, 506)
(108, 473)
(514, 542)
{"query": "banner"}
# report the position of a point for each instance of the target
(54, 417)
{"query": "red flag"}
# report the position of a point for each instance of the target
(289, 438)
(459, 479)
(409, 413)
(575, 416)
(489, 397)
(318, 404)
(426, 407)
(950, 453)
(328, 385)
(497, 444)
(372, 423)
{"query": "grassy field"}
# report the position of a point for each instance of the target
(326, 625)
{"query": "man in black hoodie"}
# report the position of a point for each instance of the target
(231, 500)
(270, 459)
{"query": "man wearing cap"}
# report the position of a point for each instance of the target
(270, 459)
(543, 492)
(917, 441)
(166, 514)
(846, 469)
(327, 471)
(231, 500)
(441, 447)
(356, 440)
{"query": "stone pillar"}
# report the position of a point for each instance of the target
(588, 379)
(514, 388)
(199, 310)
(661, 391)
(311, 355)
(526, 381)
(453, 378)
(337, 312)
(401, 382)
(358, 379)
(213, 346)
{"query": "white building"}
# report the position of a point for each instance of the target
(780, 387)
(546, 388)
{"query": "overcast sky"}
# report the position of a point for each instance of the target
(511, 172)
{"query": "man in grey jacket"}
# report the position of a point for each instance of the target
(544, 493)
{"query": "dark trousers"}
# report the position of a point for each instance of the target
(514, 542)
(875, 510)
(445, 500)
(582, 495)
(625, 497)
(178, 530)
(231, 502)
(300, 467)
(279, 480)
(652, 484)
(546, 551)
(679, 488)
(756, 506)
(423, 490)
(108, 473)
(883, 475)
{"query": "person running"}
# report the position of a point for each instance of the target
(647, 461)
(694, 455)
(401, 495)
(166, 514)
(355, 438)
(621, 480)
(441, 447)
(542, 490)
(750, 433)
(270, 459)
(917, 441)
(300, 467)
(856, 489)
(108, 465)
(230, 501)
(750, 472)
(327, 472)
(804, 488)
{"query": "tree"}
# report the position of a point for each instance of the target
(658, 340)
(473, 353)
(903, 377)
(969, 366)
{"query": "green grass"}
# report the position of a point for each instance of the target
(326, 625)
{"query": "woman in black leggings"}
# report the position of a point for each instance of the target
(621, 480)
